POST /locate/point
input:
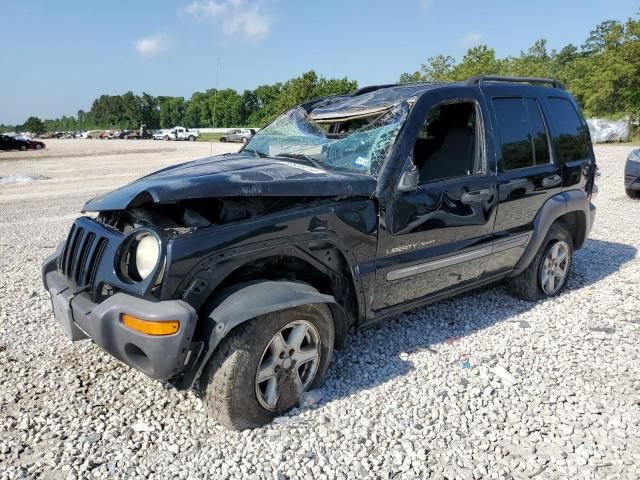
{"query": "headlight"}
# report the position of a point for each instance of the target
(140, 256)
(147, 255)
(634, 156)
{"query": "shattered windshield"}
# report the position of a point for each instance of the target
(356, 144)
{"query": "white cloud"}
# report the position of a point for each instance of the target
(151, 46)
(471, 40)
(238, 18)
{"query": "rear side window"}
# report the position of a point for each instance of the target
(539, 132)
(570, 136)
(524, 137)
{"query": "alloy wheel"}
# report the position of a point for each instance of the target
(288, 365)
(555, 267)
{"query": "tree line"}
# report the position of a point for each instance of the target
(603, 74)
(213, 108)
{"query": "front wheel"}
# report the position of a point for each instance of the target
(223, 140)
(548, 272)
(260, 370)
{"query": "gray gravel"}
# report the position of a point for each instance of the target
(480, 386)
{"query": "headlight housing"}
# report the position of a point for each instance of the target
(634, 156)
(140, 256)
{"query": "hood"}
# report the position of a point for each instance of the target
(234, 175)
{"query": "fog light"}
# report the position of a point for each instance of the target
(150, 327)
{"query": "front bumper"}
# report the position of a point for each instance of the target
(632, 175)
(160, 357)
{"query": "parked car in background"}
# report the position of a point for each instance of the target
(31, 143)
(181, 133)
(632, 174)
(160, 134)
(237, 275)
(242, 135)
(35, 144)
(141, 134)
(11, 143)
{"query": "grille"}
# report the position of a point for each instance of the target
(81, 256)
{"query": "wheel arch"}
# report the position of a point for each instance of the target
(229, 309)
(571, 208)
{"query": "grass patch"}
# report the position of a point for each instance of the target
(208, 137)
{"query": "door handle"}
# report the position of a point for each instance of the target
(475, 197)
(552, 181)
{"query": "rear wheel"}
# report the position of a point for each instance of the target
(260, 370)
(632, 193)
(245, 139)
(192, 138)
(166, 137)
(548, 272)
(23, 148)
(223, 140)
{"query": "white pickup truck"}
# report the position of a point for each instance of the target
(181, 133)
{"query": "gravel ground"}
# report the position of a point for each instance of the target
(479, 386)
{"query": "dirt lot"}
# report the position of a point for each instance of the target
(415, 396)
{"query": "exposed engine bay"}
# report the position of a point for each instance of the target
(197, 213)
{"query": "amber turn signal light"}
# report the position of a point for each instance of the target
(150, 327)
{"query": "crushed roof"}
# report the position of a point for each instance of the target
(368, 100)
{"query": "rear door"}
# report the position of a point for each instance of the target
(439, 236)
(527, 172)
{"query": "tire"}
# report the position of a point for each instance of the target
(223, 140)
(38, 146)
(192, 138)
(245, 139)
(23, 148)
(232, 394)
(632, 193)
(166, 138)
(528, 285)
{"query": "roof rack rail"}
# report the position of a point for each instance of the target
(373, 88)
(477, 80)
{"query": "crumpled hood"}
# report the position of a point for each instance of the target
(234, 175)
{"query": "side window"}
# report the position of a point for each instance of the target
(447, 145)
(525, 142)
(539, 132)
(515, 133)
(570, 136)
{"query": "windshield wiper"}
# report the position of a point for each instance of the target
(301, 156)
(255, 152)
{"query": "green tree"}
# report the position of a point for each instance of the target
(34, 125)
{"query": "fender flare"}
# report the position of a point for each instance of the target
(554, 208)
(245, 301)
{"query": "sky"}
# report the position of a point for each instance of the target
(58, 56)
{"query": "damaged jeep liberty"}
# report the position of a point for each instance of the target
(237, 275)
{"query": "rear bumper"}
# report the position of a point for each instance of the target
(160, 357)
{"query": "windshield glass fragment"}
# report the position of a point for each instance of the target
(358, 145)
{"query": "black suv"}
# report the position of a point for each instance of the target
(237, 275)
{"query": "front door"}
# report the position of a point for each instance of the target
(440, 235)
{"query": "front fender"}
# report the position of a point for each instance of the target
(249, 300)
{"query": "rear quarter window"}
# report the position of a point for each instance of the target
(570, 138)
